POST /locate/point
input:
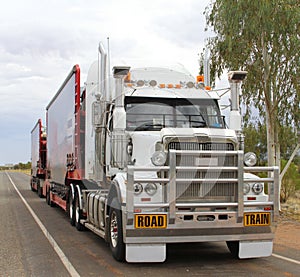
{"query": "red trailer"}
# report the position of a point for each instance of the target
(38, 157)
(65, 121)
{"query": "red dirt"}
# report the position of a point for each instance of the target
(287, 234)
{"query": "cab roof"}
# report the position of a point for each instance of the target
(165, 83)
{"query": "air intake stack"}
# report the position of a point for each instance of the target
(235, 79)
(119, 141)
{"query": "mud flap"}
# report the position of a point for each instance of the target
(145, 253)
(255, 249)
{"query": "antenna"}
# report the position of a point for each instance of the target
(108, 65)
(98, 72)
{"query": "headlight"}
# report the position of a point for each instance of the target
(159, 158)
(258, 188)
(138, 189)
(246, 188)
(250, 159)
(151, 188)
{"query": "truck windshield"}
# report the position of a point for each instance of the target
(149, 114)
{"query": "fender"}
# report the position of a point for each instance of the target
(121, 180)
(117, 189)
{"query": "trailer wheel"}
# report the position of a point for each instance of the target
(39, 189)
(71, 210)
(78, 215)
(233, 247)
(31, 184)
(48, 199)
(116, 243)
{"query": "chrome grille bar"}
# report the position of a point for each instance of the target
(205, 170)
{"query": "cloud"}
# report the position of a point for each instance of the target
(42, 40)
(184, 25)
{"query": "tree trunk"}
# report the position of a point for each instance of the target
(271, 138)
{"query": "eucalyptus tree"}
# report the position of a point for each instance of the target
(263, 38)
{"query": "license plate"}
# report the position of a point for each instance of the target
(150, 221)
(257, 219)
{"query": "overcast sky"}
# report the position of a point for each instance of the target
(41, 40)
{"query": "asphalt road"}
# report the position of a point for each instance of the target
(37, 240)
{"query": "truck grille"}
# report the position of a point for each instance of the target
(208, 146)
(206, 190)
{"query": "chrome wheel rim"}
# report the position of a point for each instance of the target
(114, 229)
(77, 212)
(71, 208)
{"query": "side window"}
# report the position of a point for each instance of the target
(213, 117)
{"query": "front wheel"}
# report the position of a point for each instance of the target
(116, 243)
(233, 247)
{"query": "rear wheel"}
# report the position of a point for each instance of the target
(78, 215)
(71, 209)
(233, 247)
(116, 243)
(31, 184)
(39, 189)
(48, 198)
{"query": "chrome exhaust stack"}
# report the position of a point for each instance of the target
(235, 79)
(119, 141)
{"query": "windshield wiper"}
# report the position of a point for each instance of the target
(198, 123)
(149, 127)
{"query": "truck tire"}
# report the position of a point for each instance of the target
(39, 189)
(71, 210)
(48, 199)
(78, 215)
(31, 184)
(233, 247)
(115, 231)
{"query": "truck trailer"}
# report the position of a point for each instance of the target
(145, 158)
(38, 157)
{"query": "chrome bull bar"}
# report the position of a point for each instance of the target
(171, 204)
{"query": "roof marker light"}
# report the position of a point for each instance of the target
(200, 85)
(162, 85)
(127, 79)
(170, 86)
(190, 84)
(140, 83)
(152, 83)
(200, 79)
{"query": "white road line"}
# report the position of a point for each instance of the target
(286, 259)
(70, 268)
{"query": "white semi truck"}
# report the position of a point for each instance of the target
(147, 159)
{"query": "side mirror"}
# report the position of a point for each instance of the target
(96, 114)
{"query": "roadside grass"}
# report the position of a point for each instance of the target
(291, 208)
(25, 171)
